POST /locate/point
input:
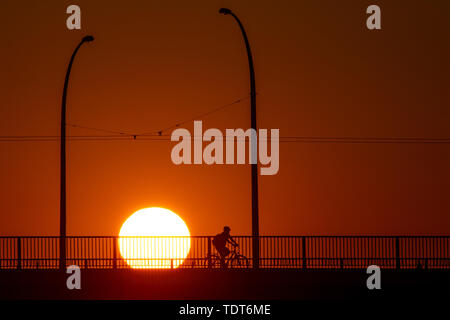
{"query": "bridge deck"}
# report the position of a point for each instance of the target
(224, 284)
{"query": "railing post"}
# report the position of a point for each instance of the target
(209, 253)
(304, 252)
(62, 253)
(114, 252)
(19, 253)
(255, 251)
(397, 253)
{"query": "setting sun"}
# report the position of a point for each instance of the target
(154, 238)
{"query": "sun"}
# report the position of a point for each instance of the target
(154, 238)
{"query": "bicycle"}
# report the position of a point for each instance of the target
(235, 260)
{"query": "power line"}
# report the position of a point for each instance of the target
(157, 135)
(98, 129)
(284, 139)
(197, 117)
(160, 131)
(119, 135)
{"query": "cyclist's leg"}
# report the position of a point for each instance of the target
(223, 253)
(226, 253)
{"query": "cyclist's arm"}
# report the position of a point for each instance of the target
(231, 240)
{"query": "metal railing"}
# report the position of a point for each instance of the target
(300, 252)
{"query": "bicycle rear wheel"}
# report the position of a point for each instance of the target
(213, 262)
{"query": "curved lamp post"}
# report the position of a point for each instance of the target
(62, 212)
(254, 166)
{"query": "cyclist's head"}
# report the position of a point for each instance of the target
(226, 229)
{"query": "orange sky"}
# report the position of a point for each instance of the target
(319, 72)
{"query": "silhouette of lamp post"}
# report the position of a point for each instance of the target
(254, 166)
(62, 212)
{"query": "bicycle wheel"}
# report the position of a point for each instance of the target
(239, 261)
(213, 262)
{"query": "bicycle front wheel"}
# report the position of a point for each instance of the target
(239, 262)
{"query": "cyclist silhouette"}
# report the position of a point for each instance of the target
(220, 242)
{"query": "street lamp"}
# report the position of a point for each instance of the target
(254, 166)
(62, 212)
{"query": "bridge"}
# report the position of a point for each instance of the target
(276, 252)
(290, 267)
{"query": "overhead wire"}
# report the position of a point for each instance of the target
(157, 135)
(284, 139)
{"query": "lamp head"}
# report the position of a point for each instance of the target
(224, 11)
(88, 39)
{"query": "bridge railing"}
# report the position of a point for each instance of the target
(301, 252)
